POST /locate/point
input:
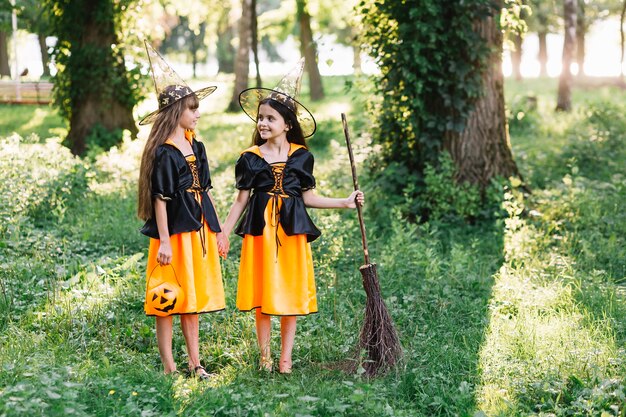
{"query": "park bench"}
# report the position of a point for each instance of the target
(29, 92)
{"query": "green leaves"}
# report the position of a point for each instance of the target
(431, 61)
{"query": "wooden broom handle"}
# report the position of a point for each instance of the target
(366, 253)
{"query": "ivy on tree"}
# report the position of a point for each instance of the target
(93, 88)
(440, 89)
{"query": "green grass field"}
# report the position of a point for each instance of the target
(522, 315)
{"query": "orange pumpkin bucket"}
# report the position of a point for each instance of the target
(164, 295)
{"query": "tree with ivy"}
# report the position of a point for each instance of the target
(93, 88)
(441, 91)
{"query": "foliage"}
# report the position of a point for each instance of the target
(522, 315)
(447, 199)
(88, 68)
(431, 61)
(5, 15)
(34, 18)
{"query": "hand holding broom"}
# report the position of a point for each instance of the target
(378, 335)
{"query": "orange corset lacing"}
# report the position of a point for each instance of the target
(196, 189)
(277, 192)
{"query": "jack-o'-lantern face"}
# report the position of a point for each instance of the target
(166, 298)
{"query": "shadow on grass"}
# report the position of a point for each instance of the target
(438, 283)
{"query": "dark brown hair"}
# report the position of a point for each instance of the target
(294, 134)
(165, 124)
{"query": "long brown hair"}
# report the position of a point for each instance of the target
(164, 125)
(294, 134)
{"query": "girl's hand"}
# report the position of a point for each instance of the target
(164, 255)
(356, 197)
(223, 244)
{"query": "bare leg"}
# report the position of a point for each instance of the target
(189, 324)
(164, 341)
(287, 334)
(263, 332)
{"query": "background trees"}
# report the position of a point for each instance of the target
(440, 88)
(564, 101)
(93, 88)
(5, 28)
(439, 92)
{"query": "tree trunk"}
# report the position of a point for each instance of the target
(194, 57)
(96, 105)
(225, 50)
(5, 68)
(516, 56)
(482, 151)
(356, 49)
(621, 43)
(542, 56)
(564, 99)
(308, 49)
(581, 31)
(242, 62)
(356, 60)
(255, 42)
(45, 59)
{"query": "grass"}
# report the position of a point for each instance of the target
(523, 315)
(28, 119)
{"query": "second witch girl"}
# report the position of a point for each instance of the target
(276, 183)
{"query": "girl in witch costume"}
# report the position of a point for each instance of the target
(276, 183)
(181, 221)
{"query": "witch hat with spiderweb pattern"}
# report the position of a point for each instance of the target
(285, 93)
(168, 85)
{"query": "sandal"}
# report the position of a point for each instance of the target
(200, 372)
(285, 370)
(266, 364)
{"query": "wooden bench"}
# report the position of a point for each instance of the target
(29, 92)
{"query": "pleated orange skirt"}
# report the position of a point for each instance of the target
(199, 275)
(277, 278)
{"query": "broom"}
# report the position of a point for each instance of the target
(378, 335)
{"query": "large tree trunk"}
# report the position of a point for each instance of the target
(542, 56)
(564, 99)
(482, 151)
(45, 59)
(242, 62)
(581, 31)
(516, 56)
(5, 68)
(225, 50)
(308, 49)
(255, 43)
(95, 106)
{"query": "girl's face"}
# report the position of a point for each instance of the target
(270, 124)
(189, 118)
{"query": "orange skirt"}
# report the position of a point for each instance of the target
(200, 276)
(277, 278)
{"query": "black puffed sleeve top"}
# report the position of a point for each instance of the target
(172, 181)
(254, 173)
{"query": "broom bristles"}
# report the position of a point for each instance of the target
(378, 336)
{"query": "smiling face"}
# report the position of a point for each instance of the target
(189, 118)
(270, 124)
